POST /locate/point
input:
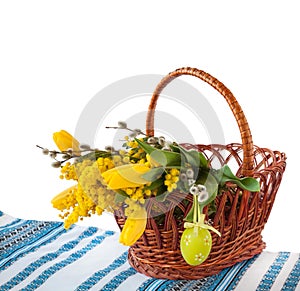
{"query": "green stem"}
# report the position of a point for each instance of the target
(199, 212)
(201, 207)
(195, 206)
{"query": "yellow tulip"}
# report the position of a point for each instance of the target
(126, 176)
(65, 141)
(133, 228)
(60, 200)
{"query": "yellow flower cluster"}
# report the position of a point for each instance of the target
(94, 185)
(68, 172)
(91, 195)
(104, 164)
(112, 180)
(75, 204)
(171, 179)
(132, 144)
(139, 194)
(136, 154)
(73, 171)
(132, 208)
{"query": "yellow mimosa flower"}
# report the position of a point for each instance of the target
(65, 141)
(134, 227)
(126, 176)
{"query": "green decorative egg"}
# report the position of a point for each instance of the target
(195, 245)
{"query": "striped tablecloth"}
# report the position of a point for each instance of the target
(42, 255)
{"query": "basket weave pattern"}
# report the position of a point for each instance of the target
(240, 215)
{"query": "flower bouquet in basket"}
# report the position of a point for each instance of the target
(181, 217)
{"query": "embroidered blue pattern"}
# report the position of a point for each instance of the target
(18, 235)
(273, 271)
(97, 276)
(37, 282)
(45, 259)
(293, 279)
(24, 242)
(118, 279)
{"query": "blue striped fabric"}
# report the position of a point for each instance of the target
(72, 258)
(293, 279)
(97, 276)
(272, 273)
(46, 258)
(118, 279)
(41, 254)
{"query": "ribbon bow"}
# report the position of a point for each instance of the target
(201, 223)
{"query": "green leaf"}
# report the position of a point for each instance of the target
(162, 193)
(247, 183)
(166, 158)
(162, 157)
(190, 215)
(155, 184)
(193, 157)
(120, 196)
(153, 174)
(174, 147)
(145, 146)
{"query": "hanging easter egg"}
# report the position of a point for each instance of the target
(195, 245)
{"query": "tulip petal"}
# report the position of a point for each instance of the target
(126, 176)
(133, 228)
(57, 200)
(65, 141)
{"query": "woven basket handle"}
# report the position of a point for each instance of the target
(247, 144)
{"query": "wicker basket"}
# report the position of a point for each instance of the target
(240, 216)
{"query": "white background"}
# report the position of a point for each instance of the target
(56, 55)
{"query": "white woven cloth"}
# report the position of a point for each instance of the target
(41, 255)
